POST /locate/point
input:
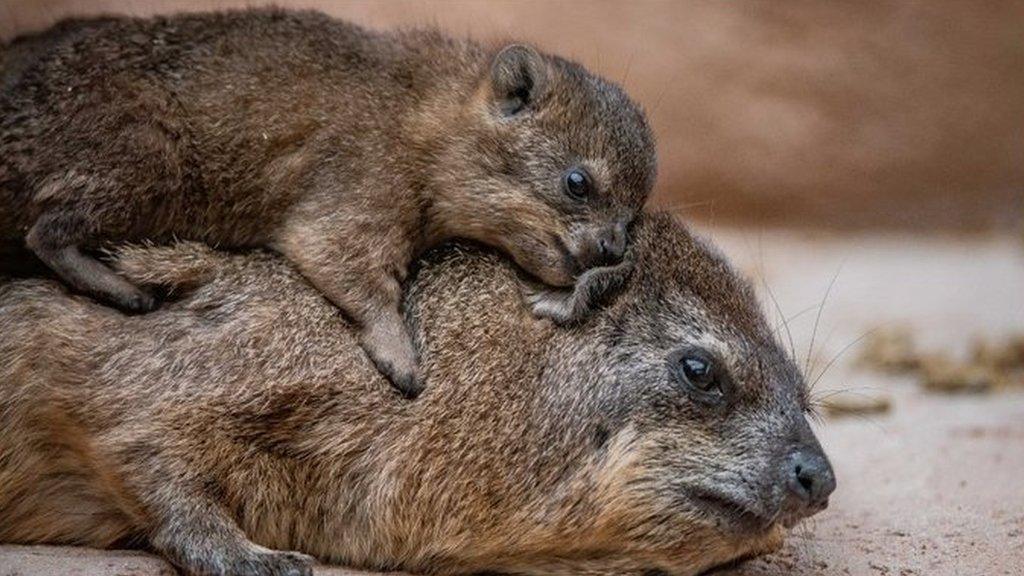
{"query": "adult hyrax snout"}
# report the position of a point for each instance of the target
(668, 433)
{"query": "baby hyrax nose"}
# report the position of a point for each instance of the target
(611, 244)
(811, 478)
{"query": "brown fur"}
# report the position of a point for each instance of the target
(242, 415)
(347, 151)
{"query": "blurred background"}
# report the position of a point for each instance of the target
(863, 164)
(824, 115)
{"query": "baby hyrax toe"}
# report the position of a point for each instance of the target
(408, 383)
(554, 305)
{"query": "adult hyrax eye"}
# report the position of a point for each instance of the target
(698, 372)
(577, 184)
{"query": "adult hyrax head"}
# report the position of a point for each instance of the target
(665, 434)
(557, 160)
(718, 409)
(672, 423)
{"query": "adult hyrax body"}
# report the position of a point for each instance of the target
(347, 151)
(665, 434)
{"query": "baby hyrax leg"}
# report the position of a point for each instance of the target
(591, 290)
(55, 238)
(357, 280)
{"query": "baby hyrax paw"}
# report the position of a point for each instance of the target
(592, 289)
(137, 300)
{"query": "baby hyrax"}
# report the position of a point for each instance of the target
(347, 151)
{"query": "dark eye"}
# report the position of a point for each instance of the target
(697, 371)
(700, 373)
(577, 184)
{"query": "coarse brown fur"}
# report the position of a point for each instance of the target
(347, 151)
(242, 418)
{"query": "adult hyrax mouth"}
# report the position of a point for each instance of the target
(747, 516)
(737, 514)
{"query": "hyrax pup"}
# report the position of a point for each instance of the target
(347, 151)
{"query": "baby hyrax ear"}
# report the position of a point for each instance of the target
(519, 77)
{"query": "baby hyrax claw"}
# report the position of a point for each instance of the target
(591, 290)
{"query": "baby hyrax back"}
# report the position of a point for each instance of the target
(348, 151)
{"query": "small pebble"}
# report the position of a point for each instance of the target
(850, 404)
(945, 376)
(891, 350)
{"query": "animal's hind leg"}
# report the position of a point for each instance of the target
(55, 239)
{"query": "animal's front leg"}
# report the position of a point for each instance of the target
(357, 276)
(54, 239)
(386, 340)
(592, 289)
(197, 535)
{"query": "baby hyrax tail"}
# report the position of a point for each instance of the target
(347, 151)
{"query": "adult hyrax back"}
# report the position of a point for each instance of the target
(667, 433)
(347, 151)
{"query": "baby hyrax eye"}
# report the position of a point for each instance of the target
(577, 184)
(699, 374)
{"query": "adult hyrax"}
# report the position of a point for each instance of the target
(345, 150)
(665, 434)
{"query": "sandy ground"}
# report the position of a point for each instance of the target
(934, 487)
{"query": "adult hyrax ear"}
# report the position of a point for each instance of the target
(519, 77)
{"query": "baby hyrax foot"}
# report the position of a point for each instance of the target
(592, 288)
(388, 344)
(88, 275)
(136, 300)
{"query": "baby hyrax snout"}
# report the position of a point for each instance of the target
(596, 258)
(601, 244)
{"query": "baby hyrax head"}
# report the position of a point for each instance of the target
(549, 163)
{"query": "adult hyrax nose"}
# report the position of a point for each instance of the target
(611, 244)
(810, 477)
